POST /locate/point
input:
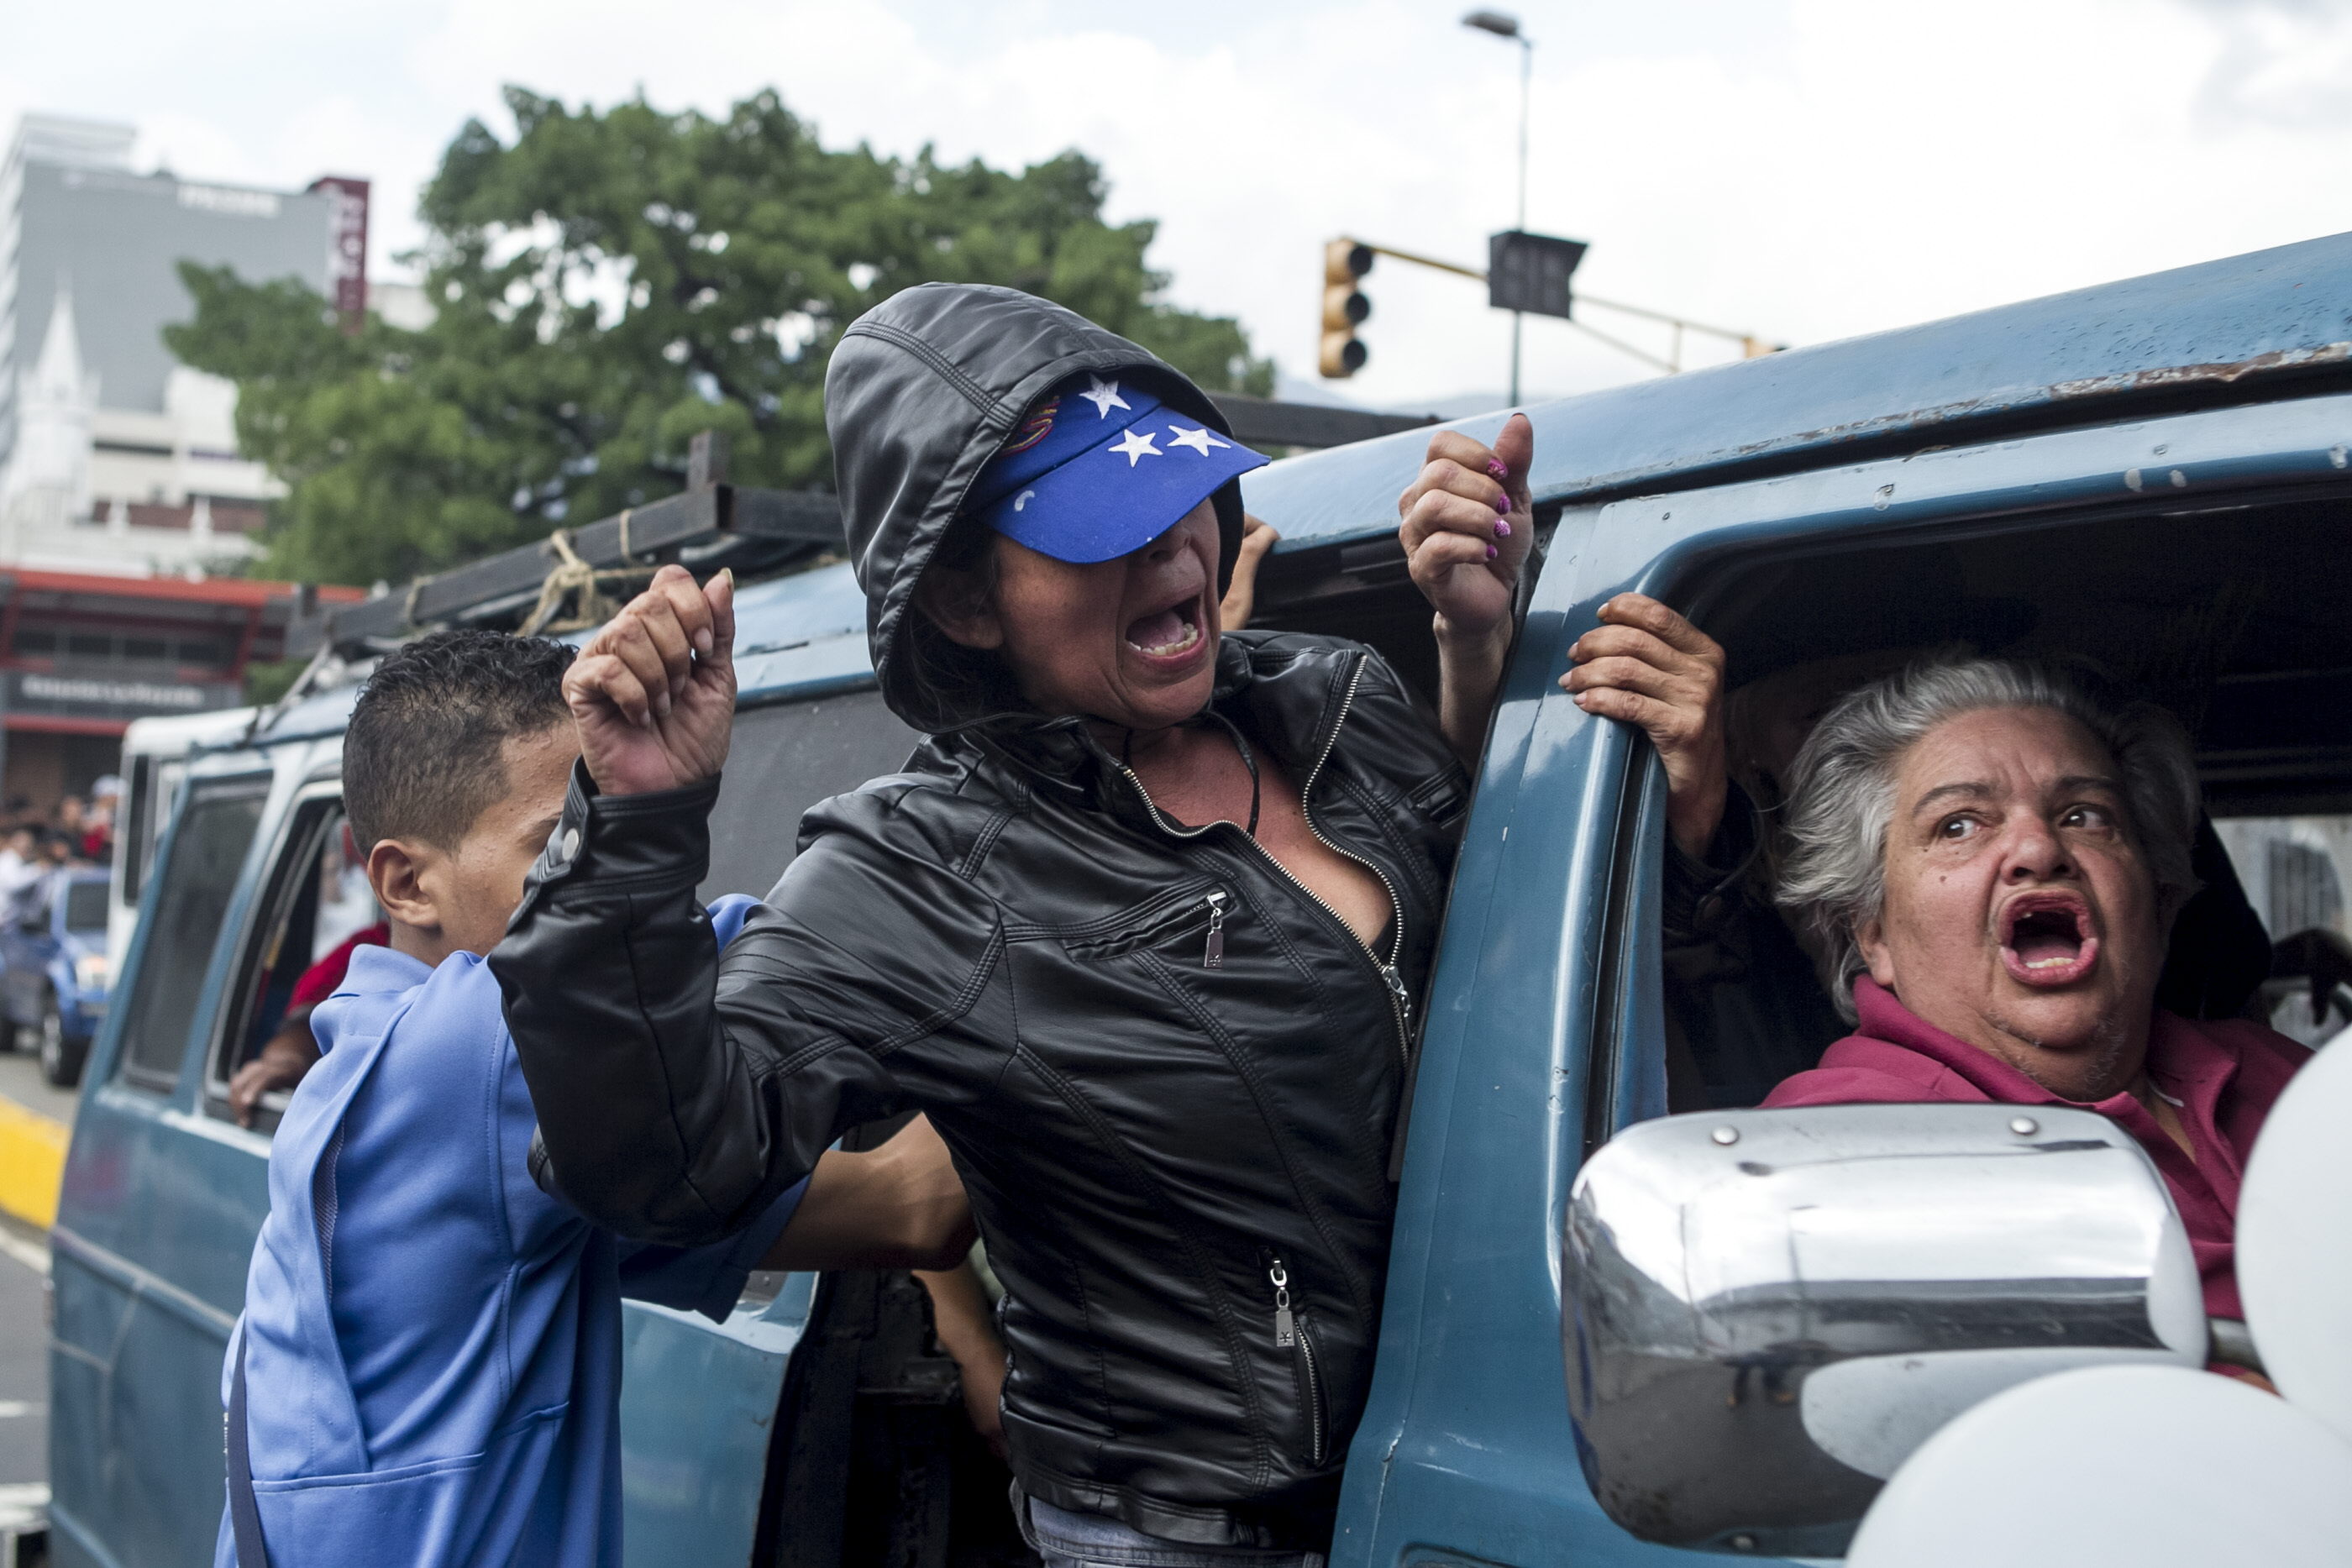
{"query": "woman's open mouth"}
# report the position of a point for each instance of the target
(2047, 940)
(1170, 636)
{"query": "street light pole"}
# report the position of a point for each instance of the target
(1503, 25)
(1527, 70)
(1518, 318)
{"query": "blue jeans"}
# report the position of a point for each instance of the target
(1066, 1540)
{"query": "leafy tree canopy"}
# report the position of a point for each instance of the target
(606, 285)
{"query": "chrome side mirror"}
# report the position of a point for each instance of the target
(1767, 1311)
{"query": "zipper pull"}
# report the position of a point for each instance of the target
(1396, 988)
(1285, 1327)
(1212, 956)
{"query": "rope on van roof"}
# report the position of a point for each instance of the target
(573, 580)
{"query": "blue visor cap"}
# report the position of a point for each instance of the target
(1102, 468)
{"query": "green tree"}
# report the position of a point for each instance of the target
(607, 283)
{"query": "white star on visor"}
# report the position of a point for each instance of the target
(1135, 447)
(1105, 396)
(1199, 440)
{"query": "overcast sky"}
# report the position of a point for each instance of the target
(1801, 169)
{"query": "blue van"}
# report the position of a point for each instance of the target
(2152, 474)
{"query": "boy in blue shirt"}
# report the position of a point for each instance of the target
(427, 1369)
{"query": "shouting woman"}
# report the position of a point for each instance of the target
(1142, 925)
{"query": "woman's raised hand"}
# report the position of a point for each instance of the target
(1647, 666)
(1468, 526)
(652, 694)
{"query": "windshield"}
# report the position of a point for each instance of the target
(86, 906)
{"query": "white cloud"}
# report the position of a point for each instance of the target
(1804, 169)
(2284, 62)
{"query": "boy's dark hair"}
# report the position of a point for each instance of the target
(422, 756)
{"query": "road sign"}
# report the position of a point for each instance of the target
(1530, 272)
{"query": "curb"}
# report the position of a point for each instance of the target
(32, 1163)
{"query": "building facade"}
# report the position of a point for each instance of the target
(125, 507)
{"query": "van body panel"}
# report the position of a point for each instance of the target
(2197, 460)
(689, 1398)
(155, 1219)
(1466, 1451)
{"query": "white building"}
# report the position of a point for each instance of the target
(114, 458)
(121, 491)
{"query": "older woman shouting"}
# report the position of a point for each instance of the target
(1142, 925)
(1988, 858)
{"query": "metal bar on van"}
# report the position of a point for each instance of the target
(713, 511)
(512, 577)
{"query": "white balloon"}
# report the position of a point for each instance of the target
(2295, 1242)
(2138, 1466)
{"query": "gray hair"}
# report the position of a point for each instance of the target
(1842, 794)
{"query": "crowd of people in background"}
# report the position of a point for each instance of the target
(39, 848)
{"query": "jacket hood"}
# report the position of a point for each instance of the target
(922, 390)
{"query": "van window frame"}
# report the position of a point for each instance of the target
(1626, 1037)
(152, 802)
(258, 784)
(137, 848)
(298, 836)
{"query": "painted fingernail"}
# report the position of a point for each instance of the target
(1502, 529)
(1502, 503)
(1491, 552)
(1495, 466)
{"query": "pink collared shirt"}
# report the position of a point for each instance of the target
(2222, 1074)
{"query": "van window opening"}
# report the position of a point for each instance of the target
(200, 878)
(2251, 650)
(316, 898)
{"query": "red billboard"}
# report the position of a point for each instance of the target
(347, 230)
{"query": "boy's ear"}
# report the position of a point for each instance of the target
(396, 870)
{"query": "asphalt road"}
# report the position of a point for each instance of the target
(24, 1307)
(24, 1358)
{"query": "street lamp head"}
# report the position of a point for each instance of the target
(1502, 24)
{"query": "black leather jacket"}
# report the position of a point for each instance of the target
(1170, 1076)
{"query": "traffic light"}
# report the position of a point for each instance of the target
(1345, 308)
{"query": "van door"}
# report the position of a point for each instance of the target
(2214, 542)
(822, 1426)
(707, 1425)
(158, 1209)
